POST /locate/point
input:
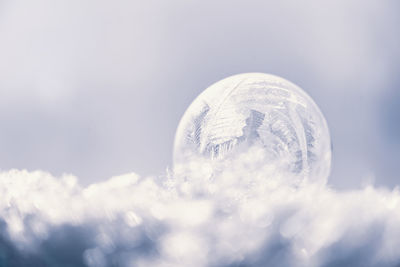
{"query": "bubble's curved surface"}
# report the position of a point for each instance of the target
(256, 110)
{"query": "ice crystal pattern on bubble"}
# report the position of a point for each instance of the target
(256, 109)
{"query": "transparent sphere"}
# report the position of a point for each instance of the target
(256, 110)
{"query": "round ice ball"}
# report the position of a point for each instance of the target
(259, 110)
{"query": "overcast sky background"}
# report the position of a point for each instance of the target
(97, 88)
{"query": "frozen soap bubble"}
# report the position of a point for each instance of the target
(256, 110)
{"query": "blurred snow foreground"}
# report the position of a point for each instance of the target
(243, 215)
